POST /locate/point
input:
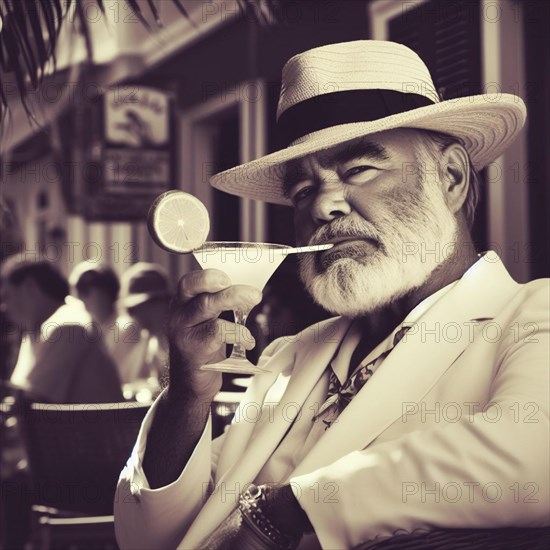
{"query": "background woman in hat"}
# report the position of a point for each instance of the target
(98, 287)
(145, 294)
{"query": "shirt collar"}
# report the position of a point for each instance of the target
(421, 308)
(341, 360)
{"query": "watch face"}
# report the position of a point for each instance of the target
(255, 491)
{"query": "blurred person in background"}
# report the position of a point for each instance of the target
(97, 286)
(61, 358)
(11, 243)
(12, 512)
(145, 294)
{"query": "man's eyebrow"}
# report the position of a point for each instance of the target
(294, 171)
(357, 149)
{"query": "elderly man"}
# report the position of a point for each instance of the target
(425, 402)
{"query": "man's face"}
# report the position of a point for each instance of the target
(371, 199)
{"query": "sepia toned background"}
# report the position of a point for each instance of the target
(146, 96)
(216, 76)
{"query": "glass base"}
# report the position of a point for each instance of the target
(235, 365)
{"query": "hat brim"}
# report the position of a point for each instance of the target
(486, 124)
(141, 298)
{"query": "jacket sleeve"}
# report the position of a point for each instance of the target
(159, 518)
(486, 470)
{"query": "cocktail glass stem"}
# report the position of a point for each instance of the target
(239, 352)
(237, 362)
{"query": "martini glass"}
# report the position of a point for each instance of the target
(178, 222)
(245, 263)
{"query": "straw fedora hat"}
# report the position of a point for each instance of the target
(336, 93)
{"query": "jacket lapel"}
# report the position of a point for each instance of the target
(414, 366)
(244, 455)
(238, 436)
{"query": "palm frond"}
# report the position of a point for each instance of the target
(155, 12)
(183, 11)
(13, 53)
(134, 6)
(101, 6)
(53, 25)
(30, 31)
(84, 29)
(37, 37)
(23, 36)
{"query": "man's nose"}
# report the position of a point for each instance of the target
(330, 203)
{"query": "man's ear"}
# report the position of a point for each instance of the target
(455, 172)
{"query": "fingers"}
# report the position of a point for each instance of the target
(216, 334)
(207, 306)
(205, 343)
(200, 336)
(197, 282)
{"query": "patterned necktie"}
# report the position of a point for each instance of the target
(340, 395)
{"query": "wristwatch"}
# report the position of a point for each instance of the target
(252, 505)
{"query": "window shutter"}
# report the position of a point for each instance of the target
(446, 35)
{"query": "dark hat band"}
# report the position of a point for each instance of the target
(327, 110)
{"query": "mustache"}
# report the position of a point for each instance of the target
(343, 228)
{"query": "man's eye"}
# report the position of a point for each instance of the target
(357, 170)
(300, 194)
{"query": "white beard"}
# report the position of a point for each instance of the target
(414, 235)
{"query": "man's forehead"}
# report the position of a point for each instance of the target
(365, 146)
(380, 144)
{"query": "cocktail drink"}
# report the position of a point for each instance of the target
(245, 263)
(179, 223)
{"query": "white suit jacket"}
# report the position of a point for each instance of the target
(451, 431)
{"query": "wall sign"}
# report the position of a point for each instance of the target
(134, 153)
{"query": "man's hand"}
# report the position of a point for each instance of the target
(197, 336)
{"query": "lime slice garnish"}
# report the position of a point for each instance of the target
(178, 222)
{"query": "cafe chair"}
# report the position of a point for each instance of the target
(508, 538)
(75, 455)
